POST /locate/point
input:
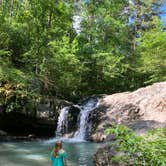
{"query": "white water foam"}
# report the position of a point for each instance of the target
(83, 124)
(62, 125)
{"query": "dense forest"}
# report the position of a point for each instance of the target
(70, 49)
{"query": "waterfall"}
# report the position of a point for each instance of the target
(83, 125)
(62, 126)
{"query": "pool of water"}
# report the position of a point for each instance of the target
(37, 153)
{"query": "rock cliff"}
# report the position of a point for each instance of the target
(141, 110)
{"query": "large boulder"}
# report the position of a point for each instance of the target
(141, 110)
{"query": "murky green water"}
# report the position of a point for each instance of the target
(37, 153)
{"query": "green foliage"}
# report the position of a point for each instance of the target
(152, 52)
(113, 51)
(101, 45)
(14, 89)
(65, 65)
(139, 150)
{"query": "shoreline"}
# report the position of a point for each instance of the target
(28, 138)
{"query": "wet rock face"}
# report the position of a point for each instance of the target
(72, 118)
(48, 108)
(16, 124)
(141, 110)
(101, 156)
(104, 155)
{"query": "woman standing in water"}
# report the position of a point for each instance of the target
(58, 155)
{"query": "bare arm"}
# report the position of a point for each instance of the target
(65, 162)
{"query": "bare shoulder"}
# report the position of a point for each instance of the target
(62, 151)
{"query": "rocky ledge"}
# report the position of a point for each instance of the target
(5, 137)
(17, 126)
(141, 110)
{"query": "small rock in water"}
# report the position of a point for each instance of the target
(31, 136)
(3, 133)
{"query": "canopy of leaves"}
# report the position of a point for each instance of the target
(120, 46)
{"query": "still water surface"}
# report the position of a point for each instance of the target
(37, 153)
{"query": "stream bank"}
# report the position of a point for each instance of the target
(17, 126)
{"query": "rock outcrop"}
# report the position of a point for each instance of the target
(20, 125)
(141, 110)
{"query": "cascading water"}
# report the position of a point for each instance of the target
(83, 125)
(62, 126)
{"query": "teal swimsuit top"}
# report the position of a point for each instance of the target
(59, 160)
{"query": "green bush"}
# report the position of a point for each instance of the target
(148, 150)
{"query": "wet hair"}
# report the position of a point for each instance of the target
(57, 147)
